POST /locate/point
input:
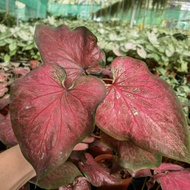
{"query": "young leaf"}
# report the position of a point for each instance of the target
(143, 108)
(97, 174)
(48, 119)
(131, 156)
(75, 50)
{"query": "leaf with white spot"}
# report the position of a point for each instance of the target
(143, 108)
(48, 118)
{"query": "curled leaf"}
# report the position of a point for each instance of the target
(165, 167)
(96, 174)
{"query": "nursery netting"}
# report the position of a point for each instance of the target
(32, 9)
(25, 9)
(171, 17)
(7, 6)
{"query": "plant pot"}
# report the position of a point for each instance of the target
(123, 186)
(34, 63)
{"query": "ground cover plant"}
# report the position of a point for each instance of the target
(63, 101)
(166, 52)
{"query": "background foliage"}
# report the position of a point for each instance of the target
(165, 52)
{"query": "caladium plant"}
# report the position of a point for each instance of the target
(58, 104)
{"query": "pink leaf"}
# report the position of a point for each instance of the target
(167, 167)
(3, 88)
(4, 101)
(143, 108)
(75, 50)
(174, 180)
(141, 173)
(6, 132)
(96, 174)
(21, 71)
(131, 156)
(80, 183)
(49, 119)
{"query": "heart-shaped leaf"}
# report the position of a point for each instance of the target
(143, 108)
(49, 119)
(75, 50)
(131, 156)
(63, 175)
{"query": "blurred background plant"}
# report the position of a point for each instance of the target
(123, 28)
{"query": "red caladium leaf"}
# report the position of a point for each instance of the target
(6, 132)
(3, 88)
(75, 50)
(164, 167)
(4, 101)
(131, 156)
(179, 180)
(63, 175)
(21, 71)
(49, 119)
(143, 108)
(96, 174)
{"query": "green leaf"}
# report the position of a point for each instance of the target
(29, 47)
(150, 47)
(153, 38)
(141, 52)
(63, 175)
(170, 50)
(183, 67)
(12, 52)
(7, 58)
(130, 45)
(154, 56)
(5, 35)
(12, 46)
(9, 40)
(2, 43)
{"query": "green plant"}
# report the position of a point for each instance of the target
(7, 19)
